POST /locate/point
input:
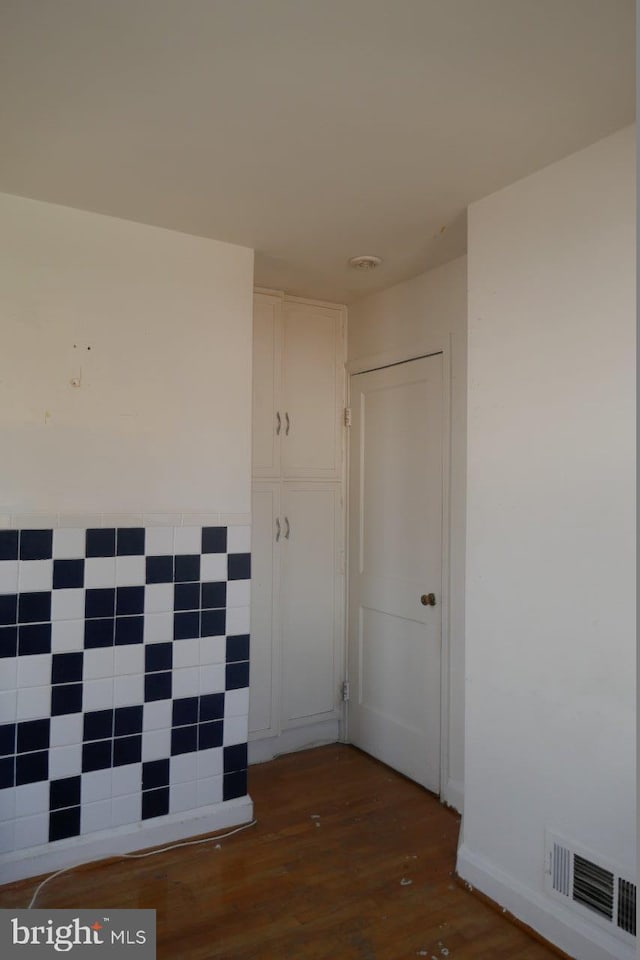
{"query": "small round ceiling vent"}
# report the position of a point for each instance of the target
(365, 263)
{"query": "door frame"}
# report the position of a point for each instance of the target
(375, 362)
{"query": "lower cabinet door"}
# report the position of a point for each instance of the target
(265, 550)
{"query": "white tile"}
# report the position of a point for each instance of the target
(33, 798)
(158, 627)
(100, 572)
(129, 659)
(238, 593)
(67, 604)
(158, 597)
(122, 520)
(130, 571)
(7, 833)
(126, 810)
(35, 575)
(201, 519)
(185, 682)
(157, 715)
(7, 804)
(9, 672)
(98, 663)
(128, 691)
(34, 521)
(126, 779)
(238, 621)
(239, 538)
(209, 791)
(159, 541)
(34, 671)
(236, 730)
(33, 703)
(187, 540)
(235, 519)
(65, 761)
(186, 653)
(213, 566)
(236, 703)
(69, 543)
(95, 816)
(98, 694)
(8, 701)
(184, 767)
(31, 831)
(156, 745)
(183, 796)
(210, 763)
(162, 520)
(66, 730)
(96, 785)
(213, 649)
(8, 576)
(67, 635)
(212, 678)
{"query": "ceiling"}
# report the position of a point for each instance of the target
(311, 130)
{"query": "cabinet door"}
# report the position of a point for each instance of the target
(266, 385)
(312, 400)
(263, 690)
(311, 605)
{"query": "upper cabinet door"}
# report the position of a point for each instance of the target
(267, 417)
(312, 391)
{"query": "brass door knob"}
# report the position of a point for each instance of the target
(428, 599)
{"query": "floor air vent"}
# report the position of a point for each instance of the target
(587, 884)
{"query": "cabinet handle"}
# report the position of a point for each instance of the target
(288, 528)
(278, 423)
(277, 529)
(288, 422)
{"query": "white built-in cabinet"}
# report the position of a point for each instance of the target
(297, 605)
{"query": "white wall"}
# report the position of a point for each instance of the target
(550, 610)
(161, 420)
(424, 315)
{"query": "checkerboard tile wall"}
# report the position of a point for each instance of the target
(124, 675)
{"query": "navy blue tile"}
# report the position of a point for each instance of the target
(129, 600)
(34, 638)
(155, 773)
(66, 698)
(98, 725)
(159, 569)
(214, 595)
(213, 623)
(130, 542)
(187, 567)
(158, 656)
(64, 823)
(211, 706)
(7, 739)
(68, 574)
(235, 758)
(34, 607)
(157, 686)
(186, 596)
(234, 785)
(100, 543)
(210, 735)
(214, 539)
(8, 608)
(100, 602)
(239, 566)
(64, 793)
(128, 720)
(237, 648)
(155, 803)
(33, 735)
(36, 544)
(8, 544)
(129, 630)
(186, 625)
(237, 676)
(32, 767)
(7, 772)
(66, 667)
(185, 711)
(96, 755)
(127, 750)
(8, 641)
(99, 633)
(184, 740)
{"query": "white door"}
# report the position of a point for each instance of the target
(264, 675)
(267, 418)
(395, 551)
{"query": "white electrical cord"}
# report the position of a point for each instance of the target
(140, 856)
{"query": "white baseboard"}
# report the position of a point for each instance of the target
(548, 918)
(298, 738)
(453, 795)
(137, 836)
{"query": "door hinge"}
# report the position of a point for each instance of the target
(346, 691)
(347, 416)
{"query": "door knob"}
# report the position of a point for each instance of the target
(428, 599)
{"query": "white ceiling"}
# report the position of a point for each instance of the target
(311, 130)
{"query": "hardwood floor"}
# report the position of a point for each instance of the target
(348, 861)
